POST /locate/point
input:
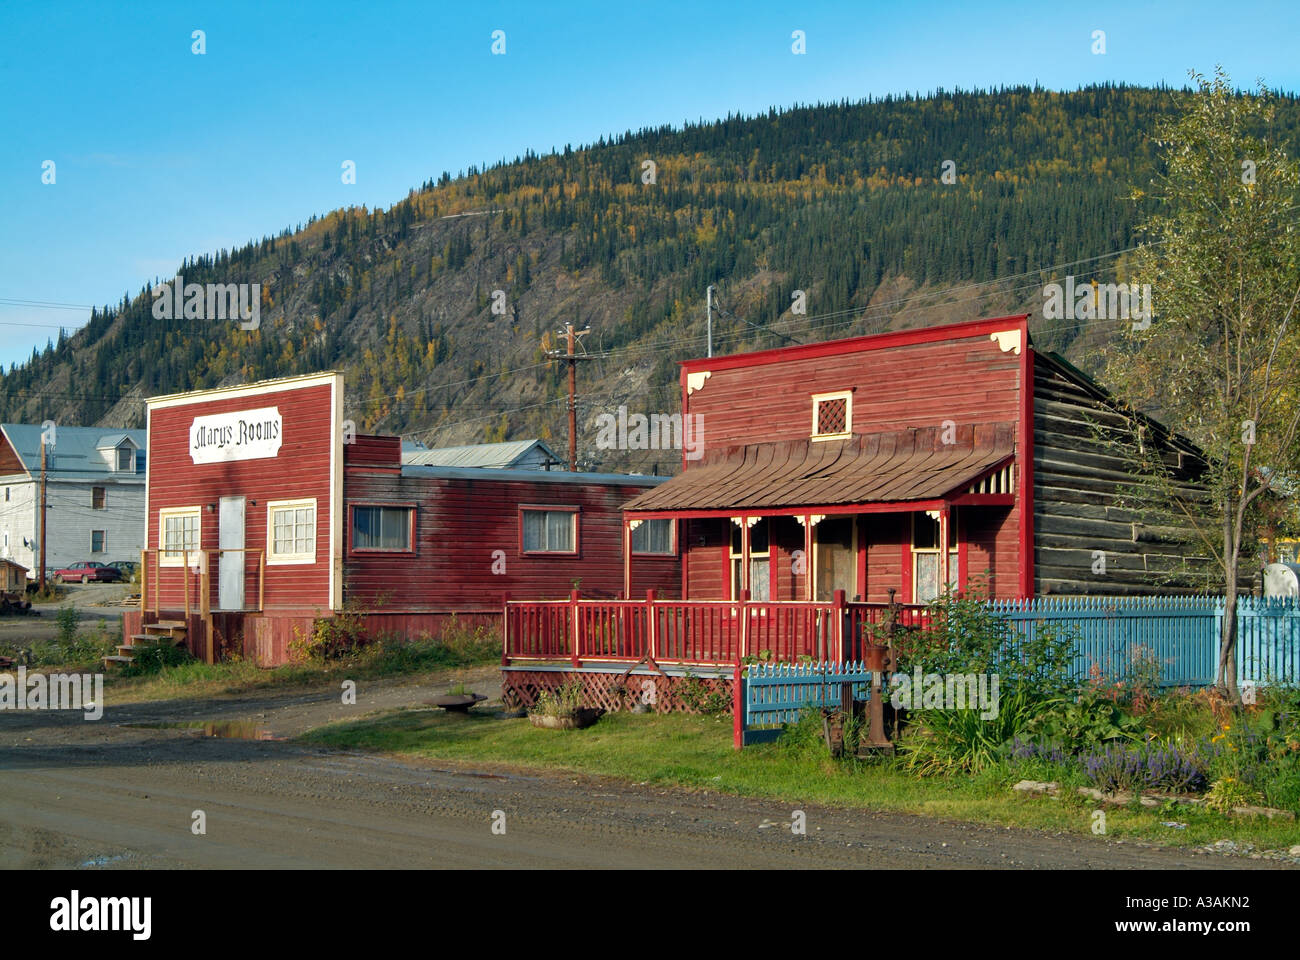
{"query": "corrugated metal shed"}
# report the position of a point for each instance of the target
(517, 454)
(869, 468)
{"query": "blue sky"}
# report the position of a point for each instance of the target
(160, 153)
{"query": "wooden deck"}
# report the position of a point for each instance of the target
(710, 633)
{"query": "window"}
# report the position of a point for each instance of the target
(925, 556)
(179, 531)
(291, 531)
(124, 458)
(760, 552)
(97, 498)
(382, 528)
(6, 494)
(97, 541)
(550, 531)
(832, 415)
(653, 537)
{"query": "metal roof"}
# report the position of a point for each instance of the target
(77, 450)
(533, 476)
(897, 466)
(492, 455)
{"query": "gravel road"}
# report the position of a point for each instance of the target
(104, 795)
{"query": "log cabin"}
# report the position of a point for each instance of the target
(839, 476)
(266, 513)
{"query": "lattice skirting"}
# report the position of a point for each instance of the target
(613, 691)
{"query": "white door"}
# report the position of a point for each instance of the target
(230, 538)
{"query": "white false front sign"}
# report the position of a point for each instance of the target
(244, 435)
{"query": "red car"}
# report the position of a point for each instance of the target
(88, 570)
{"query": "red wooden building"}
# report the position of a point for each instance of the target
(916, 462)
(265, 512)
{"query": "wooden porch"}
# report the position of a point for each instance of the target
(190, 587)
(710, 633)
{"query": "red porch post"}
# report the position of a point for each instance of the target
(944, 514)
(505, 630)
(627, 559)
(573, 616)
(839, 612)
(743, 611)
(652, 627)
(737, 707)
(807, 556)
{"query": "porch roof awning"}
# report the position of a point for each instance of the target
(898, 466)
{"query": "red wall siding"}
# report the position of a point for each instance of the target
(968, 381)
(300, 470)
(707, 565)
(460, 522)
(374, 453)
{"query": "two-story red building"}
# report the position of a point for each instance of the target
(914, 462)
(266, 512)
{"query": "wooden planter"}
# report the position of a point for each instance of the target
(584, 717)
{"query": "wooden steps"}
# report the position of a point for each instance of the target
(161, 634)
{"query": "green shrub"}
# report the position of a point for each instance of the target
(67, 619)
(696, 696)
(1229, 792)
(948, 741)
(1085, 723)
(564, 702)
(965, 636)
(331, 638)
(155, 658)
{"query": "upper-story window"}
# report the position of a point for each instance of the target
(126, 457)
(832, 415)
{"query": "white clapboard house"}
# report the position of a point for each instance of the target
(95, 489)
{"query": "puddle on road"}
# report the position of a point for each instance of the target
(224, 729)
(103, 861)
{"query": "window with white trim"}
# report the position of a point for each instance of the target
(925, 556)
(760, 553)
(832, 415)
(550, 531)
(654, 537)
(126, 457)
(178, 531)
(291, 531)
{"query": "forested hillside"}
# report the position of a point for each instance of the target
(845, 202)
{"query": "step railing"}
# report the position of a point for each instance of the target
(195, 573)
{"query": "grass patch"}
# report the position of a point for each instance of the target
(695, 752)
(388, 656)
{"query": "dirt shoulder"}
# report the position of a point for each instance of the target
(106, 795)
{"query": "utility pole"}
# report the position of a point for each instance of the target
(709, 306)
(570, 335)
(41, 577)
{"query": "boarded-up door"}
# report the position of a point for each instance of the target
(230, 538)
(836, 560)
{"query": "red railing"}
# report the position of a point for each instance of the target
(708, 632)
(869, 623)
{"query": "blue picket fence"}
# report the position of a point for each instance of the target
(1113, 635)
(1268, 640)
(774, 693)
